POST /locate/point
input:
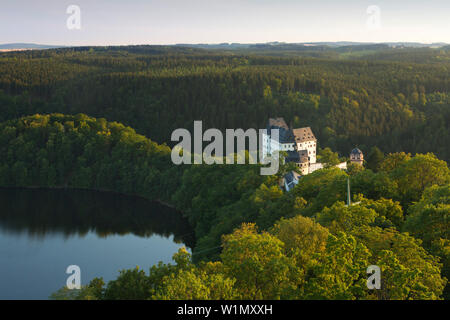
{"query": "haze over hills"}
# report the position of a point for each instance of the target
(26, 46)
(276, 44)
(307, 44)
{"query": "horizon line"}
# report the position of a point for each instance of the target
(221, 43)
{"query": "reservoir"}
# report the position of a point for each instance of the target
(43, 231)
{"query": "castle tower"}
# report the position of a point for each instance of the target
(356, 156)
(305, 140)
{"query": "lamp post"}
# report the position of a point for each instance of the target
(348, 192)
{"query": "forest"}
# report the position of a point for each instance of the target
(101, 118)
(395, 99)
(253, 241)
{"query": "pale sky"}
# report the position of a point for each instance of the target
(121, 22)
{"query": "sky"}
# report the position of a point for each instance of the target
(122, 22)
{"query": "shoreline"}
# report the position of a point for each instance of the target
(162, 202)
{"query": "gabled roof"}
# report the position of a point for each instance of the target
(277, 123)
(304, 134)
(291, 176)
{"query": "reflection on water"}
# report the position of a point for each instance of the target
(44, 231)
(39, 212)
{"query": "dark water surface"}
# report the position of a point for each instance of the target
(43, 231)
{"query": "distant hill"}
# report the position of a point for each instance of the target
(298, 45)
(340, 46)
(26, 46)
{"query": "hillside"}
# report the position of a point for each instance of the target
(394, 98)
(244, 222)
(101, 118)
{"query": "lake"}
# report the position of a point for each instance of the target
(43, 231)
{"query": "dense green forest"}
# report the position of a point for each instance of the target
(396, 99)
(83, 152)
(252, 239)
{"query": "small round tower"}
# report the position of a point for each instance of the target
(356, 156)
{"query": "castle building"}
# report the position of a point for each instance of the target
(356, 156)
(300, 140)
(305, 140)
(301, 159)
(300, 145)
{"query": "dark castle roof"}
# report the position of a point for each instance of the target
(278, 123)
(291, 176)
(292, 156)
(356, 151)
(297, 156)
(285, 134)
